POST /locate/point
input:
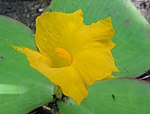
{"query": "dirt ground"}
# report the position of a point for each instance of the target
(25, 11)
(144, 7)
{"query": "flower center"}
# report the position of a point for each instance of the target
(64, 54)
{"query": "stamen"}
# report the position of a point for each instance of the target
(61, 52)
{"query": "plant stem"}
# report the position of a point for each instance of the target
(58, 92)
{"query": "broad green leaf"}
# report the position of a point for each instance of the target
(132, 37)
(21, 88)
(16, 33)
(120, 96)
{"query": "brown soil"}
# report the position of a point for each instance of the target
(25, 11)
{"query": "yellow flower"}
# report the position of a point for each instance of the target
(71, 54)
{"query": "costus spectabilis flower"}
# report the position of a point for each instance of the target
(71, 54)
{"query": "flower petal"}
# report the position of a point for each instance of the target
(67, 78)
(37, 61)
(94, 64)
(70, 82)
(61, 30)
(55, 30)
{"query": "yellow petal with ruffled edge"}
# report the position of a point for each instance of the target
(61, 30)
(94, 64)
(70, 82)
(35, 58)
(67, 78)
(72, 54)
(55, 30)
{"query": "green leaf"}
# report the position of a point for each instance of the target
(16, 33)
(21, 88)
(132, 37)
(120, 96)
